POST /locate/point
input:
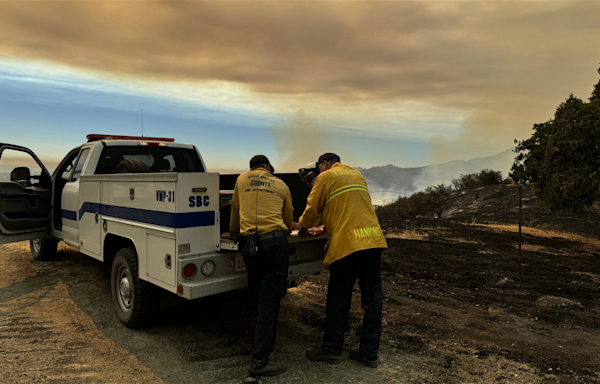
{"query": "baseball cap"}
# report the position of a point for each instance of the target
(328, 157)
(260, 159)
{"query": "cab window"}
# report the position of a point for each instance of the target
(158, 159)
(11, 159)
(66, 168)
(79, 165)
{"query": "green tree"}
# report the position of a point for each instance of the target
(562, 157)
(433, 200)
(414, 205)
(489, 177)
(475, 180)
(436, 199)
(469, 181)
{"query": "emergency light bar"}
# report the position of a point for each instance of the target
(97, 137)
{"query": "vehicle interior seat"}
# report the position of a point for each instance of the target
(161, 165)
(110, 165)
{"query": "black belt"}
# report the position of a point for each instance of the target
(270, 235)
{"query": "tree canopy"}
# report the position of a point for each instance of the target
(476, 180)
(562, 157)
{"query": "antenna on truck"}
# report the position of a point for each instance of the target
(142, 122)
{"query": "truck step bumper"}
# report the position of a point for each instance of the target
(238, 280)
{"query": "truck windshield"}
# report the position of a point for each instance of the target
(158, 159)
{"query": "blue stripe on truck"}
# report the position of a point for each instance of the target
(69, 215)
(165, 219)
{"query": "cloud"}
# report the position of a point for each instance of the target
(355, 51)
(498, 67)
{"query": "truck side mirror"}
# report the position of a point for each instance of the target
(21, 175)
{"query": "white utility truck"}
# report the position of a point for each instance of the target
(146, 205)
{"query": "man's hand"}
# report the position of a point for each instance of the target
(296, 226)
(303, 232)
(316, 231)
(225, 235)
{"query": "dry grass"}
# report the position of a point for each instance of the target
(595, 278)
(539, 232)
(410, 234)
(535, 248)
(309, 291)
(462, 241)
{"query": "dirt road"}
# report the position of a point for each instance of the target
(460, 307)
(57, 325)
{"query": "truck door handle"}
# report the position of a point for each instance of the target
(96, 217)
(168, 261)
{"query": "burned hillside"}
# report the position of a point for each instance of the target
(460, 288)
(500, 204)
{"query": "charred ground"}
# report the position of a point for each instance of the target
(462, 305)
(463, 286)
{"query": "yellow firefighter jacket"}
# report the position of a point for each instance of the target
(260, 200)
(340, 194)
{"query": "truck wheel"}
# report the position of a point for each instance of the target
(132, 166)
(43, 249)
(135, 300)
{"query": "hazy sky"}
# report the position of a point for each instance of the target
(407, 83)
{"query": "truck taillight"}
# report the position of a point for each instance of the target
(189, 271)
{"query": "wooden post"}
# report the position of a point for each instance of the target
(520, 206)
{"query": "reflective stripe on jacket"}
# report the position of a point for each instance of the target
(340, 194)
(260, 200)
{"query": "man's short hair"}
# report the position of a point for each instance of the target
(329, 157)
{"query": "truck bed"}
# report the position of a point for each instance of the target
(227, 244)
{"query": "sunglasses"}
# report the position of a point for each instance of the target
(318, 163)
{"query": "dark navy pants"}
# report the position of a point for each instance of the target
(267, 285)
(364, 266)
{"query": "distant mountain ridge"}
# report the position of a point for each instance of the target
(388, 182)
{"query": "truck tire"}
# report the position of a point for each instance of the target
(136, 301)
(132, 166)
(43, 249)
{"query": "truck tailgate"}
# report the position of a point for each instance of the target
(228, 244)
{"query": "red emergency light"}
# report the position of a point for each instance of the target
(96, 137)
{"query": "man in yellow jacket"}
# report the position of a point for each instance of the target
(341, 197)
(262, 212)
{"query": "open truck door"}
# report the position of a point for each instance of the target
(25, 195)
